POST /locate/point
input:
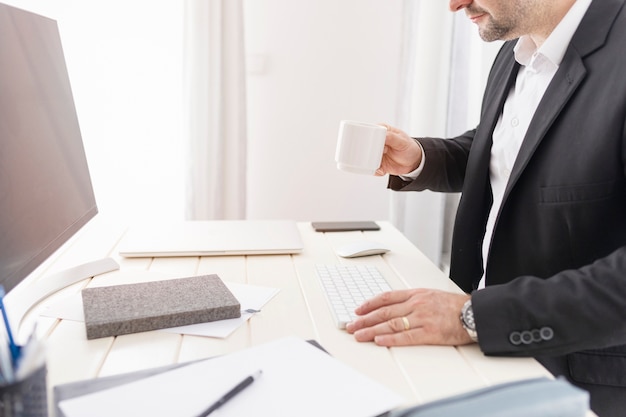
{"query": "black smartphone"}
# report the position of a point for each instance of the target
(344, 226)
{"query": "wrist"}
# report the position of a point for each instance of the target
(418, 166)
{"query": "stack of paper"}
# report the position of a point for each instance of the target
(252, 298)
(298, 379)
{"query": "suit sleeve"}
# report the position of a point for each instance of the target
(531, 316)
(444, 167)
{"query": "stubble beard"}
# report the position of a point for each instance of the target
(494, 32)
(505, 27)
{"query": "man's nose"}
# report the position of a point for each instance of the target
(456, 5)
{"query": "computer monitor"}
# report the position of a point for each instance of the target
(46, 193)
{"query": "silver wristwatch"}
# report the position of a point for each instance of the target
(467, 320)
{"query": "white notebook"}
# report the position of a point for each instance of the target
(297, 379)
(212, 238)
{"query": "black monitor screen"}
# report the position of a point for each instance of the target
(46, 194)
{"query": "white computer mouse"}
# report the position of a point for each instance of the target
(362, 248)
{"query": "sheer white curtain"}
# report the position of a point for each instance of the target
(445, 65)
(422, 110)
(214, 106)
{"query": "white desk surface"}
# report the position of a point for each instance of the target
(419, 374)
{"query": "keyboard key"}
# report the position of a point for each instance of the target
(348, 286)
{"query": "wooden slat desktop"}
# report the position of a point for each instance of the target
(419, 374)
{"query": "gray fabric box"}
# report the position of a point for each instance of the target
(132, 308)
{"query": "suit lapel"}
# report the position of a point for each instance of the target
(504, 73)
(466, 267)
(563, 85)
(494, 99)
(591, 35)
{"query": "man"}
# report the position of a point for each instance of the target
(540, 234)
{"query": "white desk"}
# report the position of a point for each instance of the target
(419, 374)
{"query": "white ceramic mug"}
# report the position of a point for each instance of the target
(360, 147)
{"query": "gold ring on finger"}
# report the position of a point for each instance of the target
(407, 324)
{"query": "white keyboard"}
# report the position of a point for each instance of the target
(348, 286)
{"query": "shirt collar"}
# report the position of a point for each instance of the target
(553, 49)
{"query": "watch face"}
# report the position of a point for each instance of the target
(467, 320)
(468, 316)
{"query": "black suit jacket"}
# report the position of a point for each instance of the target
(556, 271)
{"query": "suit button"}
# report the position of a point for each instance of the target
(536, 333)
(527, 337)
(515, 338)
(546, 333)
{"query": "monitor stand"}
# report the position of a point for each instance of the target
(50, 284)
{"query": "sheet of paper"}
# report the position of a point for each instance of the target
(250, 297)
(297, 379)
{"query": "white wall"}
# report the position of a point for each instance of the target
(311, 64)
(124, 61)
